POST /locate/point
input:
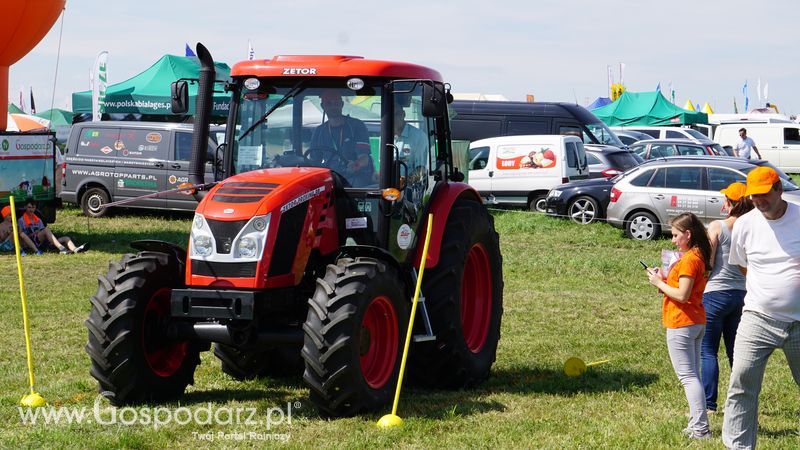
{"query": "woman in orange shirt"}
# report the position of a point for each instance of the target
(683, 314)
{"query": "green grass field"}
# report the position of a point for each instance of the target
(570, 290)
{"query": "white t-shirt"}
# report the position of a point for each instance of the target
(770, 249)
(745, 147)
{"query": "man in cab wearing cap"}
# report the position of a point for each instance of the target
(765, 243)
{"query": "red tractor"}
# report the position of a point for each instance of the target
(303, 257)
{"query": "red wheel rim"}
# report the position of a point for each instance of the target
(476, 298)
(164, 360)
(379, 339)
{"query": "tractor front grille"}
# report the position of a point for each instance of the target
(224, 270)
(225, 233)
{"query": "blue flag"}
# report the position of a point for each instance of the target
(746, 100)
(189, 51)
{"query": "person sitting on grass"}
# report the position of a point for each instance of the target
(33, 226)
(7, 237)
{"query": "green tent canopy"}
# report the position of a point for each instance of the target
(57, 117)
(14, 109)
(646, 108)
(149, 91)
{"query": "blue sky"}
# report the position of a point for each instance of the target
(555, 50)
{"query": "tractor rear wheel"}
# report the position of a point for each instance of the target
(464, 297)
(353, 336)
(249, 364)
(132, 358)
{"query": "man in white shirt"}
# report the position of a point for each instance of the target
(745, 146)
(765, 243)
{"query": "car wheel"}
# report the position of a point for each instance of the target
(538, 203)
(92, 201)
(583, 210)
(642, 226)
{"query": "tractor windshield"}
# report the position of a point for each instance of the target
(308, 125)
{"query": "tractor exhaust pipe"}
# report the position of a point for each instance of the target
(204, 102)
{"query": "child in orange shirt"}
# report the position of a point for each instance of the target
(683, 314)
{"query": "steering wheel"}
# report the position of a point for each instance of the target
(326, 156)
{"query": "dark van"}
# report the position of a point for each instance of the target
(115, 160)
(473, 120)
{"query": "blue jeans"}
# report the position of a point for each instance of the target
(723, 312)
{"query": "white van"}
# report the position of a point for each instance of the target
(520, 170)
(779, 143)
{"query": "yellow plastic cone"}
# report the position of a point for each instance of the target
(575, 367)
(707, 109)
(689, 105)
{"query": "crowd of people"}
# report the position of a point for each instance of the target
(738, 281)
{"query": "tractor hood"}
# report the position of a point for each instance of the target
(260, 192)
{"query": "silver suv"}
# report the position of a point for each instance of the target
(646, 198)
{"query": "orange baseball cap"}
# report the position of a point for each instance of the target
(5, 211)
(760, 180)
(734, 191)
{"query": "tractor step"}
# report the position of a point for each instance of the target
(423, 310)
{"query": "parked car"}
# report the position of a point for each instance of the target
(521, 170)
(644, 199)
(630, 137)
(606, 161)
(115, 160)
(473, 120)
(661, 148)
(582, 201)
(672, 133)
(777, 142)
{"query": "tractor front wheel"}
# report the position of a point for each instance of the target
(464, 297)
(132, 358)
(353, 336)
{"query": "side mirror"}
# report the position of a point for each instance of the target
(434, 100)
(179, 92)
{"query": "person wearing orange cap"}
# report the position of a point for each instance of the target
(6, 237)
(723, 297)
(765, 243)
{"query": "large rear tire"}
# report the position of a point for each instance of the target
(132, 358)
(464, 297)
(353, 337)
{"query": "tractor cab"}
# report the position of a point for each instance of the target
(379, 127)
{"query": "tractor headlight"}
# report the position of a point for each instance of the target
(198, 221)
(252, 239)
(247, 247)
(203, 245)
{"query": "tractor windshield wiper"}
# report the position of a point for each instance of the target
(292, 92)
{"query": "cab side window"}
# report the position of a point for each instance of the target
(791, 136)
(684, 178)
(572, 155)
(478, 158)
(690, 150)
(661, 150)
(183, 146)
(674, 134)
(642, 179)
(719, 179)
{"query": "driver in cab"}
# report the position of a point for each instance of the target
(345, 137)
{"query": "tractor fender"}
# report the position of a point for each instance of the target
(444, 196)
(151, 245)
(354, 251)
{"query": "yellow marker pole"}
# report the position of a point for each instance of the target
(393, 420)
(32, 400)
